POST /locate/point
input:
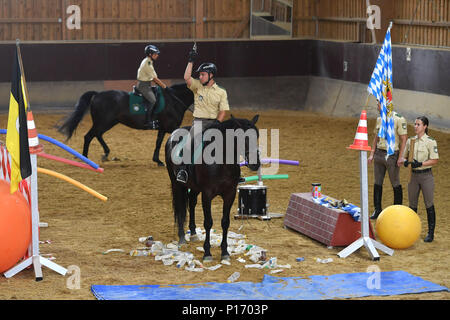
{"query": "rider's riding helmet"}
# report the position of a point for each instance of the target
(151, 49)
(208, 67)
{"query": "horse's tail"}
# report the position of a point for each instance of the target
(72, 121)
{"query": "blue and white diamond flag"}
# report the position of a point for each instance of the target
(380, 87)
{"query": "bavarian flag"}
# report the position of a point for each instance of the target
(17, 133)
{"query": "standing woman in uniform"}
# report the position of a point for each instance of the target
(425, 156)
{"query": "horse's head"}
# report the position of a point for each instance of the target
(248, 133)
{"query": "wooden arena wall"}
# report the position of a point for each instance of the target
(425, 71)
(420, 22)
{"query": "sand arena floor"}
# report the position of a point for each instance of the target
(81, 227)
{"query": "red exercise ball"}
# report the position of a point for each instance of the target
(15, 227)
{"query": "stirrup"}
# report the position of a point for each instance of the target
(182, 176)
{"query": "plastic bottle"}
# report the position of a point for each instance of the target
(139, 253)
(233, 277)
(181, 263)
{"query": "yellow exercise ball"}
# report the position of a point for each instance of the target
(398, 227)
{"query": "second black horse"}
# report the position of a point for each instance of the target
(111, 107)
(212, 178)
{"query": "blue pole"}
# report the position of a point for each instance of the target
(63, 146)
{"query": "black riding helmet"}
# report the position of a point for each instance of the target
(210, 68)
(151, 49)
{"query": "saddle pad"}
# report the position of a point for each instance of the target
(136, 102)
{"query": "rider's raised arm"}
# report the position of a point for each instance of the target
(188, 74)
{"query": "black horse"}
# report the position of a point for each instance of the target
(109, 108)
(214, 179)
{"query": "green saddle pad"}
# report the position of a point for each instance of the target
(136, 103)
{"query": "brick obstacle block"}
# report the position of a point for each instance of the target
(332, 227)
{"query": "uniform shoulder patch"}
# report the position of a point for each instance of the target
(397, 114)
(431, 138)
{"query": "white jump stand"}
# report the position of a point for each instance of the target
(36, 260)
(365, 240)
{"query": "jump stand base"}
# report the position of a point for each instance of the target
(37, 262)
(371, 246)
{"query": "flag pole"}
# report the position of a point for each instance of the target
(22, 72)
(35, 259)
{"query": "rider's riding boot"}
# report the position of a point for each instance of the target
(431, 216)
(398, 195)
(377, 193)
(182, 174)
(149, 123)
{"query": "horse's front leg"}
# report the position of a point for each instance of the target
(179, 206)
(159, 141)
(208, 222)
(192, 203)
(228, 200)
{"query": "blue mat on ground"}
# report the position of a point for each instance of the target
(338, 286)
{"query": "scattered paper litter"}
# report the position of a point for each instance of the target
(113, 250)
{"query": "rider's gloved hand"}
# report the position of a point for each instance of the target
(170, 90)
(416, 164)
(192, 56)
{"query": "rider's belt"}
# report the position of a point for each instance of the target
(422, 171)
(204, 118)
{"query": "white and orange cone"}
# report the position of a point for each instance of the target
(33, 140)
(361, 141)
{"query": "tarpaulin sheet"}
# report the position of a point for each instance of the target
(337, 286)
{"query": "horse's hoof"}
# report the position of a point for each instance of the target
(207, 258)
(193, 237)
(105, 158)
(181, 242)
(226, 257)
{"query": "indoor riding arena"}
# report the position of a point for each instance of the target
(300, 228)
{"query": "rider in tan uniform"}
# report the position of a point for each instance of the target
(391, 165)
(145, 75)
(210, 101)
(424, 157)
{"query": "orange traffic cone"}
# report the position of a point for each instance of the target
(33, 140)
(361, 138)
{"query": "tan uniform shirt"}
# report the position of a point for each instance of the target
(425, 149)
(208, 101)
(146, 71)
(400, 128)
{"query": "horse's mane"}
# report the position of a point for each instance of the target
(178, 86)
